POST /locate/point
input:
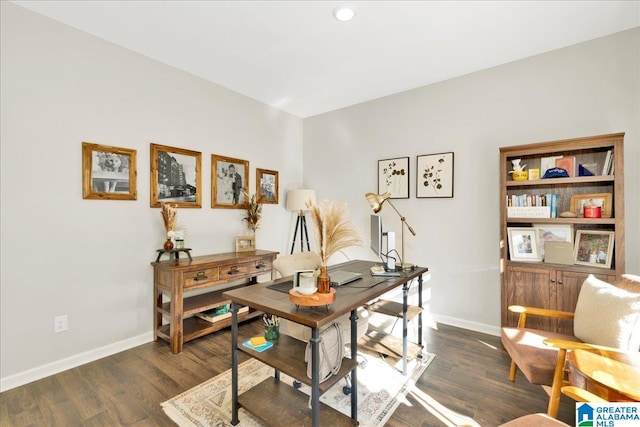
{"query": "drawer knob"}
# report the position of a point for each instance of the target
(234, 270)
(200, 276)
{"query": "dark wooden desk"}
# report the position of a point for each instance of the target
(611, 375)
(287, 354)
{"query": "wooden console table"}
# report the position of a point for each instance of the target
(173, 278)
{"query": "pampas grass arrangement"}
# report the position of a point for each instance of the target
(334, 231)
(169, 217)
(253, 212)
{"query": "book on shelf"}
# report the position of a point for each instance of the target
(259, 347)
(213, 315)
(547, 163)
(607, 163)
(532, 206)
(612, 164)
(554, 204)
(567, 163)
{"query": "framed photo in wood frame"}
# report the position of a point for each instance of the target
(108, 173)
(434, 175)
(523, 244)
(175, 177)
(229, 182)
(245, 243)
(393, 177)
(604, 200)
(267, 186)
(594, 248)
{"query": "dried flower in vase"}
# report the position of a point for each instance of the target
(169, 217)
(253, 212)
(334, 231)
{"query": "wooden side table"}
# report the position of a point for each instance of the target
(611, 375)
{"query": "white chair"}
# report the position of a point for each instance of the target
(286, 265)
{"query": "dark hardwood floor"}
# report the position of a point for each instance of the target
(466, 383)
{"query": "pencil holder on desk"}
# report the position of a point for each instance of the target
(271, 332)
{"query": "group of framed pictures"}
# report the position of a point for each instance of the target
(434, 176)
(593, 248)
(176, 176)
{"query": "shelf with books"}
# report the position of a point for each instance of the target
(594, 174)
(563, 181)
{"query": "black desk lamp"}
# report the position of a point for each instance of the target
(375, 202)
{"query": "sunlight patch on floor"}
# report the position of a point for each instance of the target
(491, 346)
(445, 415)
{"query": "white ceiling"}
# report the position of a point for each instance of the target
(295, 56)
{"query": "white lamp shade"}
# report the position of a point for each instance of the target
(297, 199)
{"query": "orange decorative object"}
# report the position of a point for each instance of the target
(312, 300)
(324, 281)
(168, 245)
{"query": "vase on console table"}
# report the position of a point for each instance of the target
(324, 281)
(168, 245)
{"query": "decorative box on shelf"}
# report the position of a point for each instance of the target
(220, 313)
(529, 212)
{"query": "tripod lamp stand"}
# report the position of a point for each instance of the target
(375, 202)
(297, 201)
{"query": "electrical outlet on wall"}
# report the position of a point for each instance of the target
(60, 323)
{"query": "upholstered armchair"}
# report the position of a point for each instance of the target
(606, 316)
(287, 265)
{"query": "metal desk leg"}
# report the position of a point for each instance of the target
(315, 377)
(420, 314)
(354, 356)
(234, 364)
(405, 343)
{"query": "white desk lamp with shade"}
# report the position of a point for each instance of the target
(299, 201)
(375, 202)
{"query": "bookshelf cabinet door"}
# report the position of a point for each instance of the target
(530, 287)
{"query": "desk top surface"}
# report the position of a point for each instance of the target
(348, 297)
(614, 370)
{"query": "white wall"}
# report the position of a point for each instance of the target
(589, 89)
(90, 259)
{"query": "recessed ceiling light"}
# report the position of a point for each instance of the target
(344, 12)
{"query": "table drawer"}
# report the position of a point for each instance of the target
(262, 265)
(230, 272)
(201, 277)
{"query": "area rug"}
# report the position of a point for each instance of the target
(381, 389)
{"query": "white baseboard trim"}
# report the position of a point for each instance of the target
(16, 380)
(465, 324)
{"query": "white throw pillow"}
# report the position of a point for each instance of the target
(607, 315)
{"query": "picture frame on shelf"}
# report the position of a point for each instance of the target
(553, 233)
(108, 173)
(523, 244)
(594, 248)
(175, 176)
(393, 177)
(267, 186)
(229, 182)
(604, 200)
(434, 175)
(245, 243)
